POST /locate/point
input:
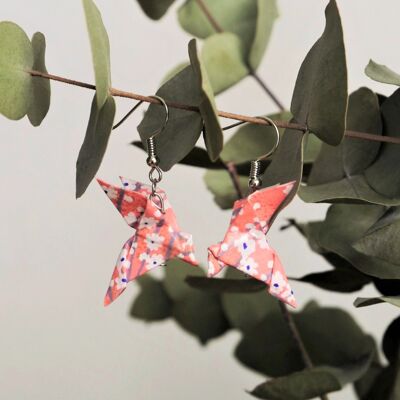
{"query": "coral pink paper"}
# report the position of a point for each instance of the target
(157, 237)
(245, 246)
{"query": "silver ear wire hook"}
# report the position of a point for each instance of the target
(254, 178)
(155, 174)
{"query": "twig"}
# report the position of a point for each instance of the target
(230, 166)
(218, 28)
(298, 340)
(223, 114)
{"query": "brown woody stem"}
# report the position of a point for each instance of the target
(223, 114)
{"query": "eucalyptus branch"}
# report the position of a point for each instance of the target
(231, 167)
(222, 114)
(218, 28)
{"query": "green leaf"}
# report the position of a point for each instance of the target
(95, 143)
(223, 285)
(244, 311)
(335, 341)
(391, 340)
(250, 20)
(174, 71)
(381, 73)
(41, 87)
(219, 183)
(310, 383)
(267, 13)
(343, 280)
(370, 301)
(152, 303)
(16, 59)
(252, 141)
(223, 61)
(155, 9)
(197, 312)
(382, 175)
(213, 136)
(100, 46)
(382, 238)
(346, 172)
(183, 128)
(337, 235)
(320, 94)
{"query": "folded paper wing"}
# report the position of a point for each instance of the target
(156, 240)
(245, 246)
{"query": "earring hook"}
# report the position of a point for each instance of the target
(254, 178)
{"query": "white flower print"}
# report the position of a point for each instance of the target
(119, 283)
(154, 241)
(278, 282)
(130, 218)
(245, 245)
(111, 192)
(152, 261)
(147, 222)
(248, 265)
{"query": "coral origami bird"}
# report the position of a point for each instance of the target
(245, 246)
(157, 236)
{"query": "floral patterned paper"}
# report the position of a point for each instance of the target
(157, 237)
(245, 246)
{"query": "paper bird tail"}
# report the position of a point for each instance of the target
(214, 265)
(186, 247)
(122, 272)
(130, 205)
(278, 284)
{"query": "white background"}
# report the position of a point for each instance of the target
(56, 254)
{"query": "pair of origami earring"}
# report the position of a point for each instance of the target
(158, 238)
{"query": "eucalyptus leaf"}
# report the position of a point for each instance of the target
(370, 301)
(213, 136)
(183, 128)
(16, 60)
(320, 94)
(391, 340)
(197, 312)
(335, 341)
(223, 285)
(382, 239)
(345, 173)
(251, 141)
(337, 235)
(41, 86)
(382, 73)
(382, 175)
(95, 143)
(219, 183)
(343, 280)
(223, 61)
(244, 311)
(250, 20)
(100, 46)
(310, 383)
(152, 303)
(155, 9)
(174, 71)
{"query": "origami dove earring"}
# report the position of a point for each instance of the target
(245, 246)
(146, 209)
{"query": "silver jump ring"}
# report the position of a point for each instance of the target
(160, 206)
(155, 178)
